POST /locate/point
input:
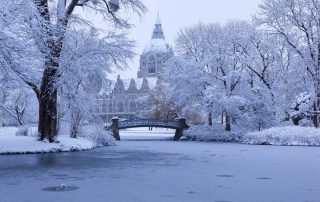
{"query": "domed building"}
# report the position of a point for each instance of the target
(155, 53)
(122, 101)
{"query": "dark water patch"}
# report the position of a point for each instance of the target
(191, 192)
(59, 175)
(186, 158)
(263, 178)
(12, 183)
(213, 155)
(68, 178)
(61, 188)
(225, 175)
(244, 150)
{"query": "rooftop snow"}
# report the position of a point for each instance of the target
(157, 46)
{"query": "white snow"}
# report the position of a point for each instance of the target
(145, 133)
(12, 144)
(210, 133)
(289, 135)
(286, 135)
(157, 46)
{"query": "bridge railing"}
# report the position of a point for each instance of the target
(148, 122)
(179, 125)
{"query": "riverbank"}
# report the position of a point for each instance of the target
(10, 143)
(280, 136)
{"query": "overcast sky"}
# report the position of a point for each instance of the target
(177, 14)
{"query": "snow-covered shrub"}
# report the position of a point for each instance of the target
(97, 134)
(288, 135)
(22, 131)
(260, 113)
(301, 107)
(210, 133)
(27, 130)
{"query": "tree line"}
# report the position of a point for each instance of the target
(246, 74)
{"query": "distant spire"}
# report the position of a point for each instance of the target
(158, 21)
(157, 30)
(119, 87)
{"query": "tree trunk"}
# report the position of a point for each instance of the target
(316, 107)
(228, 123)
(74, 122)
(222, 117)
(210, 119)
(48, 116)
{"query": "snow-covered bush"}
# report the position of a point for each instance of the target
(22, 131)
(289, 135)
(27, 130)
(97, 134)
(210, 133)
(301, 107)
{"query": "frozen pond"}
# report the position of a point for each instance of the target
(160, 170)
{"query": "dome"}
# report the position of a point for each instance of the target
(157, 45)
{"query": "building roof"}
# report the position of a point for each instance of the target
(157, 46)
(158, 43)
(152, 82)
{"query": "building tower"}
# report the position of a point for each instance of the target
(155, 53)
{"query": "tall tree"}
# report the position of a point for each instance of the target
(46, 26)
(297, 22)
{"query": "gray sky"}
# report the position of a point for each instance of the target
(177, 14)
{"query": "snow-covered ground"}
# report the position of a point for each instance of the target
(144, 133)
(285, 136)
(165, 171)
(289, 135)
(12, 144)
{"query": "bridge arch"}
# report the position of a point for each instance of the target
(179, 125)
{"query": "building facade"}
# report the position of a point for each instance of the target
(122, 101)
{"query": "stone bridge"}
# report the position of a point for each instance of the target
(178, 124)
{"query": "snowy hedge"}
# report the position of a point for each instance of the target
(289, 135)
(286, 135)
(210, 133)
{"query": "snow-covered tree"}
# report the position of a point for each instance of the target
(157, 104)
(33, 45)
(297, 22)
(301, 107)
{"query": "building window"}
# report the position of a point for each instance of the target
(133, 107)
(120, 107)
(110, 108)
(152, 67)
